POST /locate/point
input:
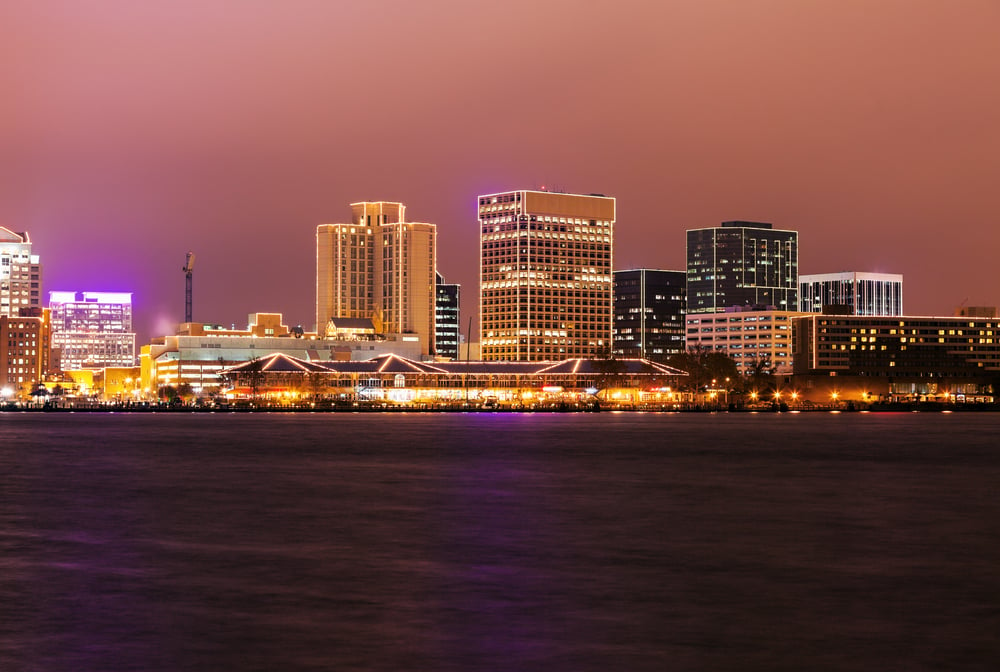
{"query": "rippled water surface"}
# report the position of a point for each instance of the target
(499, 542)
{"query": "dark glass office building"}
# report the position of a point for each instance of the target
(742, 264)
(446, 321)
(649, 313)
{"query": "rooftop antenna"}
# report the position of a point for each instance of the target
(188, 269)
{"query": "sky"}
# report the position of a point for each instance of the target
(133, 132)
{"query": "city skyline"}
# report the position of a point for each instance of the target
(136, 133)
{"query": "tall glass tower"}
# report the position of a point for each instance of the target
(742, 264)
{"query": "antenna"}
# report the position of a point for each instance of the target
(188, 270)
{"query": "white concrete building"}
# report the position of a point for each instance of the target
(855, 293)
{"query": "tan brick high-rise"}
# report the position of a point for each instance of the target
(545, 275)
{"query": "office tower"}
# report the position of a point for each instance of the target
(447, 326)
(24, 350)
(92, 330)
(545, 275)
(649, 313)
(381, 267)
(20, 274)
(741, 264)
(852, 293)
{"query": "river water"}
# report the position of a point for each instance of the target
(499, 541)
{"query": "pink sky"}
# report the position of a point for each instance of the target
(131, 132)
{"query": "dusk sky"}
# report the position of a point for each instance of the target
(132, 132)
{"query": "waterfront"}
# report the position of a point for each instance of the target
(499, 541)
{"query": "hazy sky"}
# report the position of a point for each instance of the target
(132, 132)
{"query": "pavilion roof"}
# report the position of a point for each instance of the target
(391, 363)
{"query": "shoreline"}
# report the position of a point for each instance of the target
(922, 407)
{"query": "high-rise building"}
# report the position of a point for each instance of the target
(649, 313)
(447, 327)
(545, 275)
(92, 330)
(379, 266)
(742, 264)
(24, 350)
(852, 293)
(20, 274)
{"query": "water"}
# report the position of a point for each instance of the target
(499, 542)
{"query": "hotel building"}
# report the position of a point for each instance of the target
(20, 274)
(852, 293)
(545, 275)
(649, 313)
(24, 351)
(753, 338)
(742, 264)
(380, 267)
(92, 330)
(908, 357)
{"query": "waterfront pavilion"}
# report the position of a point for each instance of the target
(391, 378)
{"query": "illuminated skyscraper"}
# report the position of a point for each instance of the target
(545, 275)
(92, 330)
(20, 274)
(380, 267)
(742, 264)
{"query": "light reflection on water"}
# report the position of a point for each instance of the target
(495, 542)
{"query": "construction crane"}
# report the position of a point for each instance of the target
(188, 269)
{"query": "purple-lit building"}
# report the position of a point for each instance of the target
(92, 330)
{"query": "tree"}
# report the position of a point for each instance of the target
(703, 366)
(185, 392)
(760, 375)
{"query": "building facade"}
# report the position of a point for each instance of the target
(24, 352)
(447, 324)
(20, 274)
(199, 351)
(742, 264)
(498, 384)
(902, 357)
(852, 293)
(92, 330)
(649, 313)
(545, 275)
(379, 267)
(757, 340)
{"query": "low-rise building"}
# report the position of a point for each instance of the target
(757, 339)
(198, 352)
(900, 358)
(391, 378)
